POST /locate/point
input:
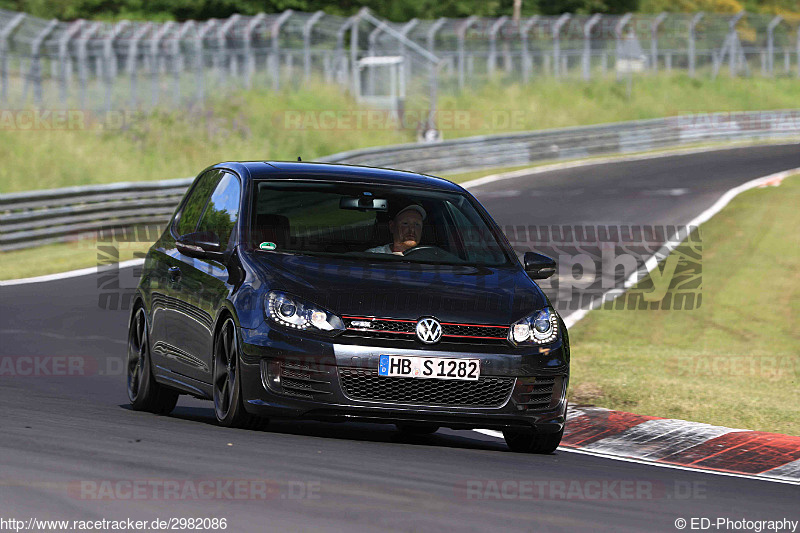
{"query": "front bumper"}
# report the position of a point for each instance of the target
(315, 369)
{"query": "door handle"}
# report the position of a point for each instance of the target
(174, 274)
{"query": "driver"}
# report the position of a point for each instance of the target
(406, 230)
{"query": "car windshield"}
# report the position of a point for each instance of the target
(372, 222)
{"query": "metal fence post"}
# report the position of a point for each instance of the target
(431, 36)
(619, 27)
(508, 60)
(133, 54)
(527, 61)
(249, 57)
(563, 19)
(371, 38)
(340, 60)
(692, 42)
(407, 27)
(177, 58)
(733, 40)
(205, 29)
(155, 43)
(461, 33)
(5, 48)
(587, 45)
(654, 40)
(355, 73)
(63, 57)
(307, 29)
(771, 43)
(222, 42)
(493, 29)
(110, 70)
(275, 32)
(36, 60)
(83, 71)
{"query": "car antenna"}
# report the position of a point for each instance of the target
(298, 158)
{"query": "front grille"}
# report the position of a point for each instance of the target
(393, 328)
(385, 326)
(366, 384)
(462, 330)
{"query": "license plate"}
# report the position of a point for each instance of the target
(404, 366)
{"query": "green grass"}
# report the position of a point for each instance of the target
(551, 103)
(735, 361)
(62, 257)
(262, 125)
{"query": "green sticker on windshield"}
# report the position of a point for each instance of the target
(268, 246)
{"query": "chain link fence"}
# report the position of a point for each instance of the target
(141, 65)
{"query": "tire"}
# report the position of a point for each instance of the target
(227, 391)
(528, 441)
(417, 428)
(144, 393)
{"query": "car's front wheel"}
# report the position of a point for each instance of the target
(144, 393)
(528, 441)
(228, 402)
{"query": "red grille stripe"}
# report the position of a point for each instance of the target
(364, 330)
(472, 325)
(473, 337)
(414, 322)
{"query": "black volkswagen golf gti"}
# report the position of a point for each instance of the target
(335, 292)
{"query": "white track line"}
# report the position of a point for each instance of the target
(73, 273)
(758, 477)
(674, 241)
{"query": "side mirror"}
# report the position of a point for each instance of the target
(202, 244)
(539, 266)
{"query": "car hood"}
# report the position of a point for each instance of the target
(387, 289)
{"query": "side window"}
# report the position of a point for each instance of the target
(222, 210)
(193, 208)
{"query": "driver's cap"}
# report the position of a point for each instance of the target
(412, 207)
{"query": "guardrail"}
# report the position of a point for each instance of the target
(34, 218)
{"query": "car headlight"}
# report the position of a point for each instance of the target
(293, 312)
(540, 327)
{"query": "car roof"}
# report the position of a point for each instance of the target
(336, 172)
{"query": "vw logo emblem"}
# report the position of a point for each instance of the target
(429, 330)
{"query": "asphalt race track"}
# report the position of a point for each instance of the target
(65, 440)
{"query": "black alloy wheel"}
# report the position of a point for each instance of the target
(228, 404)
(143, 391)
